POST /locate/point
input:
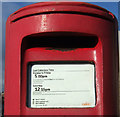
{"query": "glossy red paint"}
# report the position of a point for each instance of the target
(56, 18)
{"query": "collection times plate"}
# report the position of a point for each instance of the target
(62, 86)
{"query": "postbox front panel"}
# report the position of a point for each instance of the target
(62, 80)
(61, 85)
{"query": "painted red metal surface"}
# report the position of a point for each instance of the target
(59, 17)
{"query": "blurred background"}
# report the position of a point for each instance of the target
(10, 7)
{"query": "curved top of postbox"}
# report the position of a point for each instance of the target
(62, 7)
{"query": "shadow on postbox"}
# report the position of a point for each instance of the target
(70, 67)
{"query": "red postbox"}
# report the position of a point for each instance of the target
(61, 59)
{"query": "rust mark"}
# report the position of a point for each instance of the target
(61, 49)
(53, 9)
